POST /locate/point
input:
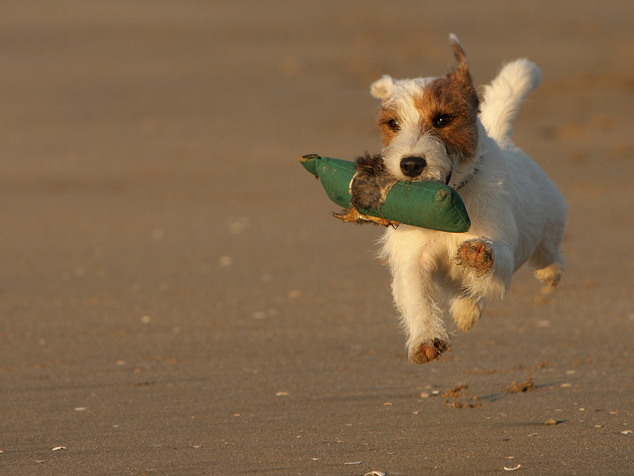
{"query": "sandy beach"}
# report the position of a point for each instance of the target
(175, 298)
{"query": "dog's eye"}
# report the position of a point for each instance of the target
(442, 120)
(393, 125)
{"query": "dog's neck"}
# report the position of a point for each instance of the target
(458, 179)
(466, 178)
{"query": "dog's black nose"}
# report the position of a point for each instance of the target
(413, 166)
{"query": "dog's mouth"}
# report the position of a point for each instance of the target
(448, 179)
(373, 181)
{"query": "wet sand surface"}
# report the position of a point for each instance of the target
(176, 300)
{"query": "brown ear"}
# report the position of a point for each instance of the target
(461, 73)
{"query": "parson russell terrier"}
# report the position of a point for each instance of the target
(436, 129)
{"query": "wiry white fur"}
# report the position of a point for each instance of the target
(513, 207)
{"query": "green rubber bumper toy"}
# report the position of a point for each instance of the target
(431, 205)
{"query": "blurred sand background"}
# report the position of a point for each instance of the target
(176, 300)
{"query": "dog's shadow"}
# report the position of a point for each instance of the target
(514, 389)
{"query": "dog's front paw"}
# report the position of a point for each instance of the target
(475, 254)
(427, 351)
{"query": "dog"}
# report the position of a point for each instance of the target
(437, 129)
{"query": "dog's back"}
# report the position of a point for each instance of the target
(503, 97)
(539, 208)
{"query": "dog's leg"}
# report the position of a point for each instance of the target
(413, 264)
(547, 259)
(551, 274)
(415, 297)
(475, 254)
(466, 311)
(488, 267)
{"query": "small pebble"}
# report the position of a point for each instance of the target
(238, 225)
(551, 421)
(225, 261)
(627, 432)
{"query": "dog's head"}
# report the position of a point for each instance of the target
(428, 125)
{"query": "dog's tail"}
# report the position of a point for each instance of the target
(505, 94)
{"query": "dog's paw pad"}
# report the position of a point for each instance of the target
(427, 351)
(475, 254)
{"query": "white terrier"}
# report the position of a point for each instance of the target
(431, 131)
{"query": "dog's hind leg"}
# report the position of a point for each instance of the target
(466, 311)
(551, 274)
(547, 258)
(550, 266)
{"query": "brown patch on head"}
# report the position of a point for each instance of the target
(449, 109)
(389, 126)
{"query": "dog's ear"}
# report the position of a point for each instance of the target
(461, 73)
(382, 88)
